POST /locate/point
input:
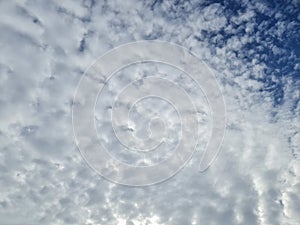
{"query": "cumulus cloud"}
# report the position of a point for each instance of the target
(253, 49)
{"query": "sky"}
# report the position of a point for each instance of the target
(251, 46)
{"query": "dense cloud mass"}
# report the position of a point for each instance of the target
(253, 48)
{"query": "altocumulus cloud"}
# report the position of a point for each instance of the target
(253, 48)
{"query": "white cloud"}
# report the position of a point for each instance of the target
(43, 178)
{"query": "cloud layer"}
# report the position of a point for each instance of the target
(252, 47)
